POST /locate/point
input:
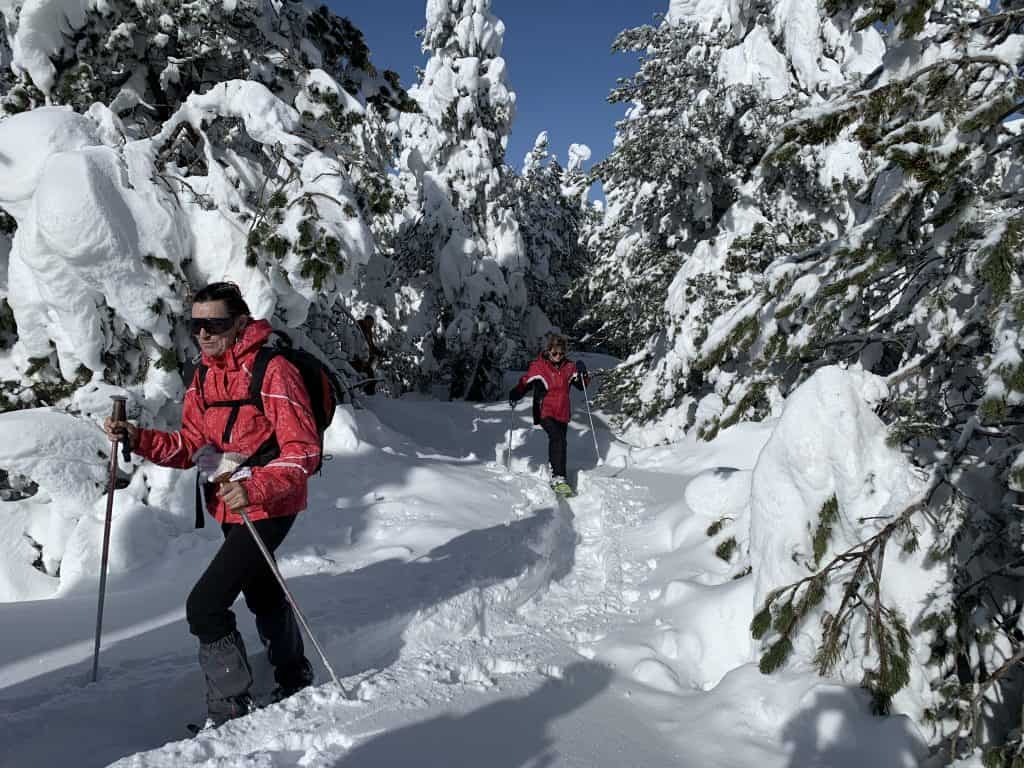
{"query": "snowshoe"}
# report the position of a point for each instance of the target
(562, 488)
(282, 692)
(194, 729)
(293, 678)
(236, 706)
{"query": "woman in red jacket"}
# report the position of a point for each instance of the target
(273, 494)
(551, 374)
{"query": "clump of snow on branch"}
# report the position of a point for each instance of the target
(828, 467)
(88, 215)
(462, 242)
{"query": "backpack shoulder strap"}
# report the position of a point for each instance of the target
(263, 356)
(259, 372)
(269, 450)
(199, 378)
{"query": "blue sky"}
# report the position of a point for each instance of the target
(559, 61)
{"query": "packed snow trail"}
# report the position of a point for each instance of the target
(479, 620)
(450, 548)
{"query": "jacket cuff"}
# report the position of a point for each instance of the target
(255, 490)
(144, 446)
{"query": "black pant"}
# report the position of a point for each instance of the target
(239, 567)
(556, 444)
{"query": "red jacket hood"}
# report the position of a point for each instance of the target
(253, 336)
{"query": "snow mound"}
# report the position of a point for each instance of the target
(709, 635)
(53, 539)
(342, 437)
(66, 456)
(719, 492)
(827, 443)
(830, 447)
(816, 723)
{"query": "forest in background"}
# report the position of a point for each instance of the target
(794, 185)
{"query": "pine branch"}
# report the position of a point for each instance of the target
(921, 361)
(997, 18)
(1003, 569)
(976, 700)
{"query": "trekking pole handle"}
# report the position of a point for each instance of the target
(118, 412)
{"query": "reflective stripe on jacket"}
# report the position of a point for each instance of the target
(279, 487)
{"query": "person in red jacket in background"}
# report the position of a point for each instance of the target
(551, 374)
(273, 494)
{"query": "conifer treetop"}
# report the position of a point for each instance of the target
(194, 142)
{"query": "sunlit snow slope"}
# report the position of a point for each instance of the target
(478, 621)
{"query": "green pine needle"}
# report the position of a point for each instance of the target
(761, 623)
(826, 519)
(726, 549)
(784, 618)
(776, 656)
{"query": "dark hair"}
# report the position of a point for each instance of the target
(229, 293)
(556, 341)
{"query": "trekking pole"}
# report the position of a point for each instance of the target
(291, 599)
(593, 432)
(117, 413)
(508, 455)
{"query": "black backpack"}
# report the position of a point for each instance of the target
(321, 384)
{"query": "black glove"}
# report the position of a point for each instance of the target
(514, 396)
(581, 368)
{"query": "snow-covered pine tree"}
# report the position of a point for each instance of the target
(790, 203)
(249, 141)
(7, 224)
(922, 286)
(459, 252)
(686, 147)
(551, 203)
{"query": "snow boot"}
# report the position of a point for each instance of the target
(291, 680)
(280, 634)
(228, 678)
(560, 487)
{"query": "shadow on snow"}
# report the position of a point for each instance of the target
(374, 605)
(506, 734)
(141, 703)
(831, 734)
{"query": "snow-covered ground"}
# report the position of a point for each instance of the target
(478, 620)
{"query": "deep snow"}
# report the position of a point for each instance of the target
(478, 620)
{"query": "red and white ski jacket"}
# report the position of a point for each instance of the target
(277, 489)
(557, 378)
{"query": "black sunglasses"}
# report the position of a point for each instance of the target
(212, 325)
